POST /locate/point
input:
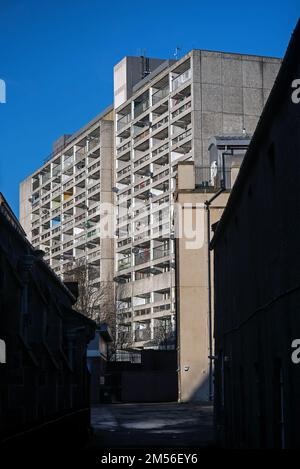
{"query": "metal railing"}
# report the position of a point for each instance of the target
(123, 148)
(124, 263)
(141, 160)
(141, 107)
(181, 79)
(121, 123)
(160, 123)
(183, 108)
(181, 136)
(142, 257)
(159, 95)
(160, 251)
(160, 149)
(213, 177)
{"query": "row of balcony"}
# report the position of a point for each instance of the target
(157, 96)
(143, 257)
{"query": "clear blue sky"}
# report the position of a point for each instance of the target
(57, 58)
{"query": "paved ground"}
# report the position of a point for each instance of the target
(152, 425)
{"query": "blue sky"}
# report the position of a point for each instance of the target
(56, 58)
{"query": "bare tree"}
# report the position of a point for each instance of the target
(94, 301)
(164, 334)
(122, 339)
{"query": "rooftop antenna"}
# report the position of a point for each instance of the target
(176, 53)
(145, 64)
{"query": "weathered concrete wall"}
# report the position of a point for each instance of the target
(229, 92)
(192, 303)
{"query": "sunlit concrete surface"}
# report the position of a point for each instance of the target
(152, 425)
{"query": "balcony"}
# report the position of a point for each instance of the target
(182, 136)
(77, 199)
(161, 175)
(123, 122)
(94, 166)
(124, 195)
(80, 154)
(160, 252)
(139, 160)
(160, 149)
(142, 312)
(160, 123)
(141, 107)
(142, 185)
(185, 107)
(181, 79)
(124, 263)
(93, 142)
(123, 152)
(94, 188)
(159, 95)
(124, 171)
(142, 257)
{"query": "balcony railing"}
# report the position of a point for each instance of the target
(181, 79)
(142, 160)
(159, 95)
(124, 263)
(124, 171)
(93, 142)
(123, 148)
(182, 136)
(142, 185)
(142, 135)
(142, 257)
(183, 108)
(94, 188)
(141, 107)
(123, 121)
(160, 123)
(160, 252)
(94, 166)
(161, 175)
(142, 312)
(160, 149)
(213, 177)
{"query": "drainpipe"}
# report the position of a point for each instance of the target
(210, 312)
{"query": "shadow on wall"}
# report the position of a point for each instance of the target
(152, 380)
(201, 393)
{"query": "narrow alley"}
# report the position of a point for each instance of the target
(152, 425)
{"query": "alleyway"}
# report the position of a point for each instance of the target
(152, 425)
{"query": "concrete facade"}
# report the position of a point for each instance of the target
(192, 289)
(170, 117)
(199, 206)
(60, 203)
(257, 293)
